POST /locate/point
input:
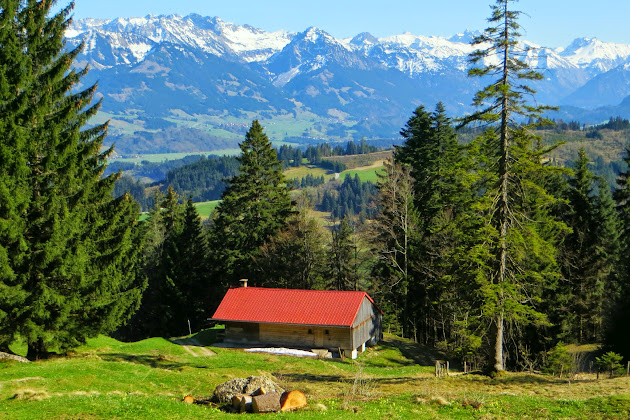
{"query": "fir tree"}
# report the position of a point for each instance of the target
(619, 315)
(256, 204)
(342, 266)
(295, 257)
(513, 282)
(442, 200)
(198, 293)
(71, 274)
(589, 252)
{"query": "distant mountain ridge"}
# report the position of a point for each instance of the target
(203, 65)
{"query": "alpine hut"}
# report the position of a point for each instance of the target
(315, 319)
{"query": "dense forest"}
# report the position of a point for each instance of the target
(476, 241)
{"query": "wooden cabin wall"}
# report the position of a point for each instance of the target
(244, 332)
(367, 324)
(299, 336)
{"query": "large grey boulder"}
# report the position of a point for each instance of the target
(223, 393)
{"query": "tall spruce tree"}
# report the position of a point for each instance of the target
(342, 270)
(70, 274)
(255, 205)
(295, 257)
(589, 253)
(442, 198)
(616, 336)
(513, 284)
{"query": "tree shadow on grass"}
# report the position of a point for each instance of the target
(157, 361)
(416, 353)
(309, 377)
(523, 379)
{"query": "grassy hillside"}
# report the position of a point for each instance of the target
(147, 380)
(366, 173)
(356, 161)
(206, 208)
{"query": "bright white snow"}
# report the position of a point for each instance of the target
(283, 351)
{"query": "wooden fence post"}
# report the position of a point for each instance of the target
(465, 371)
(448, 366)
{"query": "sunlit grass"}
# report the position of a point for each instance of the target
(206, 208)
(147, 380)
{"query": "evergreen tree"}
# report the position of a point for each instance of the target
(442, 200)
(342, 259)
(589, 252)
(619, 315)
(70, 272)
(198, 293)
(256, 204)
(513, 284)
(295, 257)
(177, 271)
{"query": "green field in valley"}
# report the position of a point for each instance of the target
(365, 175)
(206, 208)
(161, 157)
(108, 379)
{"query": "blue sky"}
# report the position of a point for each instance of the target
(548, 22)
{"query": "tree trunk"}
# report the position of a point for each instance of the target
(36, 350)
(502, 211)
(496, 357)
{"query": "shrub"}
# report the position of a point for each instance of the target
(610, 361)
(559, 360)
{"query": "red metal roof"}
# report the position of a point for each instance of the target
(290, 306)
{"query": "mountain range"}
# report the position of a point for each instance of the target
(161, 73)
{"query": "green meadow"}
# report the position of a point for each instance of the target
(108, 379)
(206, 208)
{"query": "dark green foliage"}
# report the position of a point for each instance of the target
(436, 163)
(156, 171)
(610, 362)
(291, 156)
(68, 251)
(126, 184)
(589, 254)
(176, 269)
(619, 314)
(308, 181)
(342, 273)
(616, 124)
(203, 180)
(559, 361)
(255, 205)
(594, 134)
(351, 198)
(295, 257)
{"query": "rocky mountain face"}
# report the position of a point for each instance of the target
(158, 65)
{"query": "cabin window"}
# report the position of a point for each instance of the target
(310, 331)
(326, 332)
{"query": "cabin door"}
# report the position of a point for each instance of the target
(319, 338)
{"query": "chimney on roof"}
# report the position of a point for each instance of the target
(243, 282)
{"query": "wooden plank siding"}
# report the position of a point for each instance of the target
(367, 325)
(242, 332)
(306, 336)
